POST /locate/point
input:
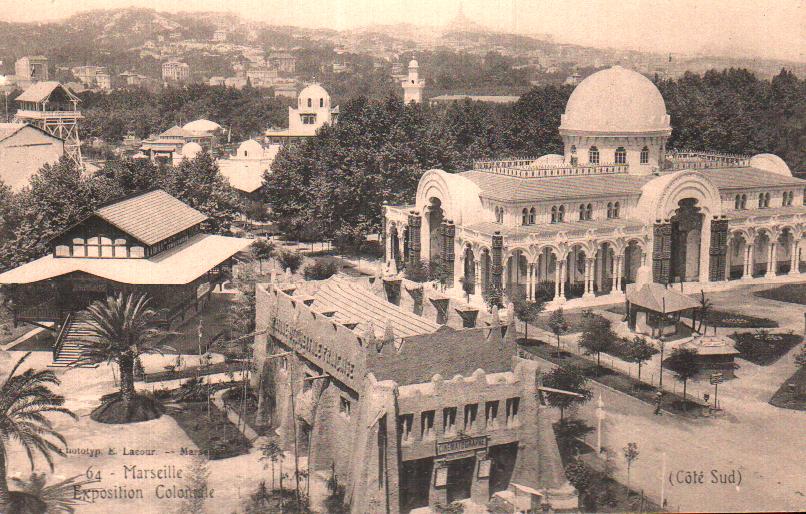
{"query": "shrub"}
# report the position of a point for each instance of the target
(290, 260)
(320, 269)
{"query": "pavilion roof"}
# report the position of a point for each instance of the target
(657, 298)
(152, 216)
(179, 265)
(40, 91)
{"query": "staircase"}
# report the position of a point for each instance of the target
(69, 342)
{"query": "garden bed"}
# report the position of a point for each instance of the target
(764, 348)
(574, 319)
(717, 318)
(792, 393)
(791, 293)
(215, 436)
(671, 402)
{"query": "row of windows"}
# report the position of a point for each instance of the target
(100, 246)
(321, 102)
(405, 422)
(308, 119)
(619, 156)
(740, 201)
(529, 216)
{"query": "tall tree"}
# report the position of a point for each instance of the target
(597, 336)
(558, 325)
(639, 350)
(571, 379)
(26, 400)
(526, 311)
(684, 363)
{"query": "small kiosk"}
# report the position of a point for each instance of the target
(655, 311)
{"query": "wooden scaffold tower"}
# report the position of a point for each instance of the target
(53, 108)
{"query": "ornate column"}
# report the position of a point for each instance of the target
(529, 281)
(415, 225)
(614, 273)
(496, 268)
(771, 259)
(588, 277)
(747, 273)
(448, 253)
(557, 281)
(794, 258)
(619, 271)
(476, 275)
(563, 273)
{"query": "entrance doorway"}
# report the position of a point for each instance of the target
(460, 478)
(502, 464)
(415, 483)
(686, 240)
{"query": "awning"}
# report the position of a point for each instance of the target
(179, 265)
(655, 297)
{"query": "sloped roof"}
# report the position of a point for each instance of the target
(151, 217)
(42, 90)
(353, 301)
(176, 130)
(748, 178)
(179, 265)
(657, 298)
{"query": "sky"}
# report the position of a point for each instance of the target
(762, 28)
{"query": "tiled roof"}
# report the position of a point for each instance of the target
(447, 351)
(151, 217)
(352, 301)
(551, 229)
(515, 189)
(748, 178)
(41, 91)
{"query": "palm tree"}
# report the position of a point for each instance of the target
(120, 330)
(25, 399)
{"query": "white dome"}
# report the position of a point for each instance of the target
(616, 100)
(551, 158)
(191, 150)
(202, 126)
(250, 148)
(413, 64)
(770, 162)
(314, 92)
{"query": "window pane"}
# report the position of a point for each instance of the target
(106, 251)
(137, 252)
(62, 251)
(78, 251)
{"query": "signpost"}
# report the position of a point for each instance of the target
(715, 379)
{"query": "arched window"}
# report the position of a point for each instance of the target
(737, 202)
(743, 204)
(621, 155)
(804, 197)
(62, 251)
(561, 214)
(120, 248)
(532, 216)
(789, 196)
(574, 159)
(94, 247)
(499, 214)
(554, 214)
(767, 200)
(609, 210)
(593, 155)
(321, 102)
(107, 249)
(616, 209)
(761, 201)
(79, 249)
(310, 103)
(581, 212)
(644, 155)
(524, 217)
(589, 212)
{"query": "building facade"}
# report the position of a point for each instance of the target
(24, 149)
(31, 69)
(413, 86)
(616, 208)
(174, 71)
(435, 412)
(312, 112)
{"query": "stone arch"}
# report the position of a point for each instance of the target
(660, 197)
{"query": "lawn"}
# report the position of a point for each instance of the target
(792, 393)
(574, 319)
(764, 348)
(213, 435)
(619, 381)
(719, 318)
(791, 293)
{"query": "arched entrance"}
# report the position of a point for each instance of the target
(576, 275)
(545, 286)
(686, 241)
(394, 245)
(633, 257)
(434, 217)
(516, 269)
(737, 250)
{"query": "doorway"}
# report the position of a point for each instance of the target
(415, 483)
(460, 478)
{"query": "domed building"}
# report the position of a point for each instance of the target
(616, 210)
(312, 112)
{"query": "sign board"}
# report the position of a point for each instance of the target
(484, 468)
(462, 445)
(441, 476)
(716, 378)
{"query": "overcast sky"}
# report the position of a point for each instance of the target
(766, 28)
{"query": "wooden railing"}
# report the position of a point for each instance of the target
(57, 345)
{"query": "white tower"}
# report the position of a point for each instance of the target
(413, 85)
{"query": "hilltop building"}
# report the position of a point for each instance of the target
(220, 35)
(175, 71)
(312, 112)
(283, 61)
(92, 77)
(616, 208)
(24, 149)
(408, 399)
(150, 243)
(413, 86)
(30, 69)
